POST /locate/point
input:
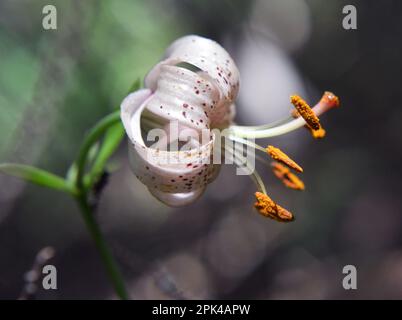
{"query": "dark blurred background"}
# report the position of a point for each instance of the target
(55, 84)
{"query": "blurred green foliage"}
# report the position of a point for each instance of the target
(56, 83)
(19, 73)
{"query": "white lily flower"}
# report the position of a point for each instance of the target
(194, 87)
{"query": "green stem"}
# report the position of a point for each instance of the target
(94, 134)
(76, 176)
(107, 258)
(113, 136)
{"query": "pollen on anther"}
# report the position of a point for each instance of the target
(268, 208)
(306, 112)
(288, 178)
(317, 134)
(280, 156)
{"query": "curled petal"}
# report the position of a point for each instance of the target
(177, 199)
(211, 63)
(183, 173)
(185, 96)
(129, 105)
(210, 57)
(195, 86)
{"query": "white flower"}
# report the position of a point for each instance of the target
(194, 86)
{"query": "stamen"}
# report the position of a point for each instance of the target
(275, 153)
(280, 156)
(246, 142)
(264, 126)
(288, 178)
(253, 173)
(284, 215)
(268, 208)
(265, 205)
(328, 101)
(317, 134)
(306, 112)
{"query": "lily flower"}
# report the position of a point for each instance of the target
(189, 96)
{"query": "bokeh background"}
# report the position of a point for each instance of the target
(55, 84)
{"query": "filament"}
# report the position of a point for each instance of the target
(253, 173)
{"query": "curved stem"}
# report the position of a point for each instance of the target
(113, 136)
(111, 267)
(90, 139)
(107, 258)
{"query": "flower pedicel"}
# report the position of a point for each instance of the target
(195, 86)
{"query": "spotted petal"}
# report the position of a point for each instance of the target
(174, 177)
(216, 68)
(210, 57)
(184, 96)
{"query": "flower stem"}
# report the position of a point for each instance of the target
(93, 135)
(76, 177)
(107, 258)
(82, 199)
(111, 267)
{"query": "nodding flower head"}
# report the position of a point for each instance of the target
(187, 107)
